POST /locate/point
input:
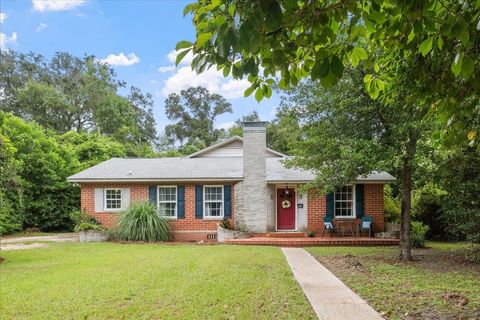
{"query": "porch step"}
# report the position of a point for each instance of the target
(316, 241)
(280, 235)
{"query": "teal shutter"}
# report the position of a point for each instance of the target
(199, 202)
(359, 200)
(227, 201)
(330, 205)
(181, 202)
(152, 195)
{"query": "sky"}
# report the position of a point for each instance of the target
(137, 38)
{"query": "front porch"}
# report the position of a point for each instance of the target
(300, 239)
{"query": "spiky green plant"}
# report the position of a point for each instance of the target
(142, 223)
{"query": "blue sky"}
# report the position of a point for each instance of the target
(137, 38)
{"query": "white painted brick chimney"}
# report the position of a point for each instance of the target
(252, 193)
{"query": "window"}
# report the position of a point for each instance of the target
(113, 199)
(213, 201)
(344, 204)
(167, 201)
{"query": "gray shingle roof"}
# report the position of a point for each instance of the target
(188, 169)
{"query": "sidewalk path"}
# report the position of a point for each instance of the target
(329, 297)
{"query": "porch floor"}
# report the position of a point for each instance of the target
(314, 241)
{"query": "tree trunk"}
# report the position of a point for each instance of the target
(405, 246)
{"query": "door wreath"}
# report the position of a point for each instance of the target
(286, 204)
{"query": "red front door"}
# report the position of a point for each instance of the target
(286, 209)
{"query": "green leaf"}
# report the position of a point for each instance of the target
(183, 44)
(249, 91)
(202, 39)
(440, 42)
(411, 36)
(226, 70)
(426, 46)
(336, 67)
(467, 67)
(324, 69)
(457, 64)
(358, 54)
(190, 7)
(273, 15)
(259, 95)
(180, 56)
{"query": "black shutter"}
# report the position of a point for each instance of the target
(152, 195)
(227, 201)
(330, 205)
(181, 202)
(199, 202)
(359, 200)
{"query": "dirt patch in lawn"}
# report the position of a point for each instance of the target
(437, 284)
(21, 246)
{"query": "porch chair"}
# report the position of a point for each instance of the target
(328, 225)
(365, 224)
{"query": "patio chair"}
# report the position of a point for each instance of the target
(328, 225)
(366, 224)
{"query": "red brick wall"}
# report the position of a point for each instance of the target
(187, 229)
(373, 194)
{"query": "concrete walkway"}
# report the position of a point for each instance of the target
(329, 297)
(61, 237)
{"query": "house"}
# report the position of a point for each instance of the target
(239, 178)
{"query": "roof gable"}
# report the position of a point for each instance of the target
(230, 148)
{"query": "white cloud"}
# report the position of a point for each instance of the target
(56, 5)
(211, 79)
(41, 26)
(4, 39)
(225, 125)
(121, 59)
(166, 69)
(3, 17)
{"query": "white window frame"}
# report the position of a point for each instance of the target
(105, 199)
(176, 201)
(354, 209)
(222, 207)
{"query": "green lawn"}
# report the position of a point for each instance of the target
(437, 285)
(144, 281)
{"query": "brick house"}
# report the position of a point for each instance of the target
(239, 178)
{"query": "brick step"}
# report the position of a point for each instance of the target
(306, 242)
(280, 235)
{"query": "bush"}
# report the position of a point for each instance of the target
(142, 223)
(85, 226)
(472, 253)
(226, 224)
(417, 234)
(9, 221)
(427, 207)
(79, 216)
(391, 206)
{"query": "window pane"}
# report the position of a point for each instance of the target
(213, 209)
(167, 194)
(213, 193)
(167, 209)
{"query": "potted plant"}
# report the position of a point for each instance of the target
(91, 232)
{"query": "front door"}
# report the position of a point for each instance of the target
(285, 209)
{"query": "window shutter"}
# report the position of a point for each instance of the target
(99, 198)
(125, 198)
(181, 202)
(152, 195)
(330, 205)
(198, 201)
(227, 201)
(359, 200)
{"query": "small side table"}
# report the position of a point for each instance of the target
(347, 225)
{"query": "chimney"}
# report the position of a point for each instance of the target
(254, 186)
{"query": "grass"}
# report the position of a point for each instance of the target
(437, 285)
(145, 281)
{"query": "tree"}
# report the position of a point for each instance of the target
(316, 39)
(195, 111)
(347, 134)
(71, 93)
(42, 166)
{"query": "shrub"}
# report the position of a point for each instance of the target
(417, 234)
(427, 207)
(472, 253)
(391, 206)
(226, 224)
(79, 216)
(142, 223)
(9, 221)
(85, 226)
